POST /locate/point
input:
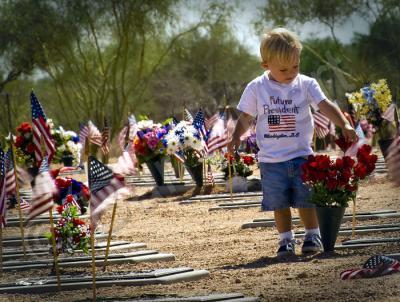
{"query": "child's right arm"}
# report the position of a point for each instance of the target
(241, 127)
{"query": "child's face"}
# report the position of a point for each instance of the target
(283, 72)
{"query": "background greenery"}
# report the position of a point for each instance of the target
(107, 58)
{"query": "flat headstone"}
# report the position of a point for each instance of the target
(46, 252)
(235, 297)
(357, 231)
(270, 222)
(239, 205)
(49, 284)
(127, 258)
(35, 240)
(371, 240)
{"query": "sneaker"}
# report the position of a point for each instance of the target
(286, 248)
(312, 244)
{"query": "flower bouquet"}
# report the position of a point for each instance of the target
(240, 169)
(71, 233)
(70, 187)
(372, 103)
(149, 147)
(185, 142)
(333, 184)
(24, 148)
(68, 148)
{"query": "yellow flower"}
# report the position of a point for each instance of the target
(382, 94)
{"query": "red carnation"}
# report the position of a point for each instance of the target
(60, 209)
(248, 160)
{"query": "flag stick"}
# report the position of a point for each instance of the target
(204, 171)
(1, 249)
(92, 229)
(230, 177)
(21, 223)
(53, 241)
(110, 234)
(354, 218)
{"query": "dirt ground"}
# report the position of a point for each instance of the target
(239, 260)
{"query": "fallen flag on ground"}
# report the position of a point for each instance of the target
(375, 266)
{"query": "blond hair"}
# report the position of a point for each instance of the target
(280, 44)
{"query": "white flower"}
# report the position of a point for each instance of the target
(145, 124)
(62, 148)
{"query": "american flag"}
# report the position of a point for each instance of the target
(105, 138)
(42, 197)
(198, 124)
(353, 149)
(83, 133)
(102, 183)
(375, 266)
(210, 176)
(187, 116)
(179, 156)
(218, 136)
(25, 205)
(71, 201)
(94, 134)
(393, 161)
(22, 175)
(41, 129)
(389, 113)
(2, 189)
(279, 123)
(10, 176)
(321, 123)
(209, 122)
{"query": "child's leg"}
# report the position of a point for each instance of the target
(309, 218)
(283, 220)
(312, 240)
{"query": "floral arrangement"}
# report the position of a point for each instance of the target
(71, 233)
(240, 164)
(67, 144)
(335, 183)
(185, 140)
(370, 102)
(25, 150)
(70, 187)
(149, 141)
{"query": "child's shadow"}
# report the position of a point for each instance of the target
(266, 261)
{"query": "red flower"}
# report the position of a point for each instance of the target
(248, 160)
(19, 141)
(24, 128)
(343, 145)
(360, 171)
(30, 148)
(70, 198)
(77, 221)
(60, 209)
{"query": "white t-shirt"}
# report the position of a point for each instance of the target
(285, 125)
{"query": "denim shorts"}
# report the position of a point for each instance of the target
(282, 185)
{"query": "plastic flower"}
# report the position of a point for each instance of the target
(335, 183)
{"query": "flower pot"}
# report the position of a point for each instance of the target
(329, 219)
(384, 145)
(239, 184)
(156, 168)
(196, 172)
(67, 160)
(175, 166)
